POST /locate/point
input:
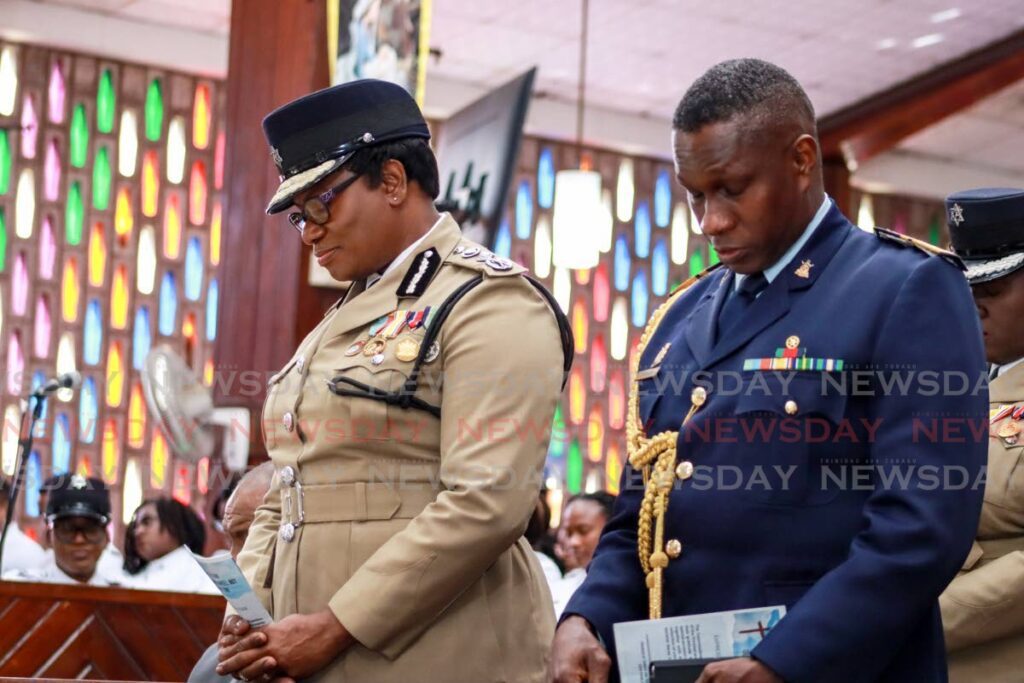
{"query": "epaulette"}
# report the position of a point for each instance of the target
(690, 281)
(475, 257)
(907, 241)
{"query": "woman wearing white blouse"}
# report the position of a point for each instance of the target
(156, 548)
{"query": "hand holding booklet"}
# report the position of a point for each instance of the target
(225, 573)
(696, 637)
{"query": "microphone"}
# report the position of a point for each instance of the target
(69, 380)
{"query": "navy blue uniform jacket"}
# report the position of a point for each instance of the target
(852, 504)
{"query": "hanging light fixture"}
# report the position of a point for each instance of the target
(577, 213)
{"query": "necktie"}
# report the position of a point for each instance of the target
(739, 302)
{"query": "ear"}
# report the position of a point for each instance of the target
(805, 158)
(394, 182)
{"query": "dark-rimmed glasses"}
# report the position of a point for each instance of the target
(317, 209)
(67, 530)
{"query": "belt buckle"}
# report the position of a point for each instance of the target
(290, 523)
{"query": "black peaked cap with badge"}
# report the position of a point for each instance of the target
(78, 496)
(986, 227)
(316, 134)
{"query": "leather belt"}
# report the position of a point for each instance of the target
(347, 502)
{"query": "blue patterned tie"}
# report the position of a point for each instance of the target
(739, 302)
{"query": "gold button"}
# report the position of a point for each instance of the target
(684, 470)
(791, 407)
(673, 548)
(792, 342)
(289, 421)
(699, 396)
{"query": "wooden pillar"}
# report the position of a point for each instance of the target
(837, 183)
(277, 53)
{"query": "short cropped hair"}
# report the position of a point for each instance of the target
(413, 153)
(744, 87)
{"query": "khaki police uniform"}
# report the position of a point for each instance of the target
(983, 608)
(401, 505)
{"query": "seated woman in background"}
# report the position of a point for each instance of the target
(583, 519)
(157, 544)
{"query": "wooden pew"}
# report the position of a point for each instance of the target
(75, 632)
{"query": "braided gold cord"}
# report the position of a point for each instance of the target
(655, 457)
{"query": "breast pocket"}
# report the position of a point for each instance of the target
(786, 425)
(368, 392)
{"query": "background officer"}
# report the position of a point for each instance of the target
(983, 608)
(77, 514)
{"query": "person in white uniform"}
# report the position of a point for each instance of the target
(157, 544)
(77, 514)
(20, 551)
(111, 561)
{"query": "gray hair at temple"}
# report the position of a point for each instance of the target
(750, 87)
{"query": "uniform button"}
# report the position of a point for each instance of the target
(287, 475)
(699, 396)
(300, 363)
(673, 548)
(684, 470)
(791, 407)
(288, 421)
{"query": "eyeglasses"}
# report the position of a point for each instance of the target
(67, 530)
(316, 208)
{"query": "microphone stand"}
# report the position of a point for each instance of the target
(24, 449)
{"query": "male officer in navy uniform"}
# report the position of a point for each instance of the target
(856, 534)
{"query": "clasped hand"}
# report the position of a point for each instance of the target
(295, 647)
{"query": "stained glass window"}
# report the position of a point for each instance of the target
(25, 208)
(74, 215)
(92, 339)
(201, 117)
(545, 180)
(79, 137)
(101, 180)
(105, 103)
(623, 261)
(84, 200)
(51, 172)
(88, 411)
(29, 127)
(524, 211)
(57, 93)
(168, 305)
(642, 231)
(128, 144)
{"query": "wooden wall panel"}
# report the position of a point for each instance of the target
(103, 633)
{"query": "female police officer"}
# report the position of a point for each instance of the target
(408, 430)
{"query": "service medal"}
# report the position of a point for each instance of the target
(407, 350)
(374, 347)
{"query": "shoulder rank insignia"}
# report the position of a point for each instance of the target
(419, 274)
(907, 241)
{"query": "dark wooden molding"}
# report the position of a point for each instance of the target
(277, 53)
(878, 123)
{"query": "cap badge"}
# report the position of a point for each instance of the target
(78, 482)
(956, 215)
